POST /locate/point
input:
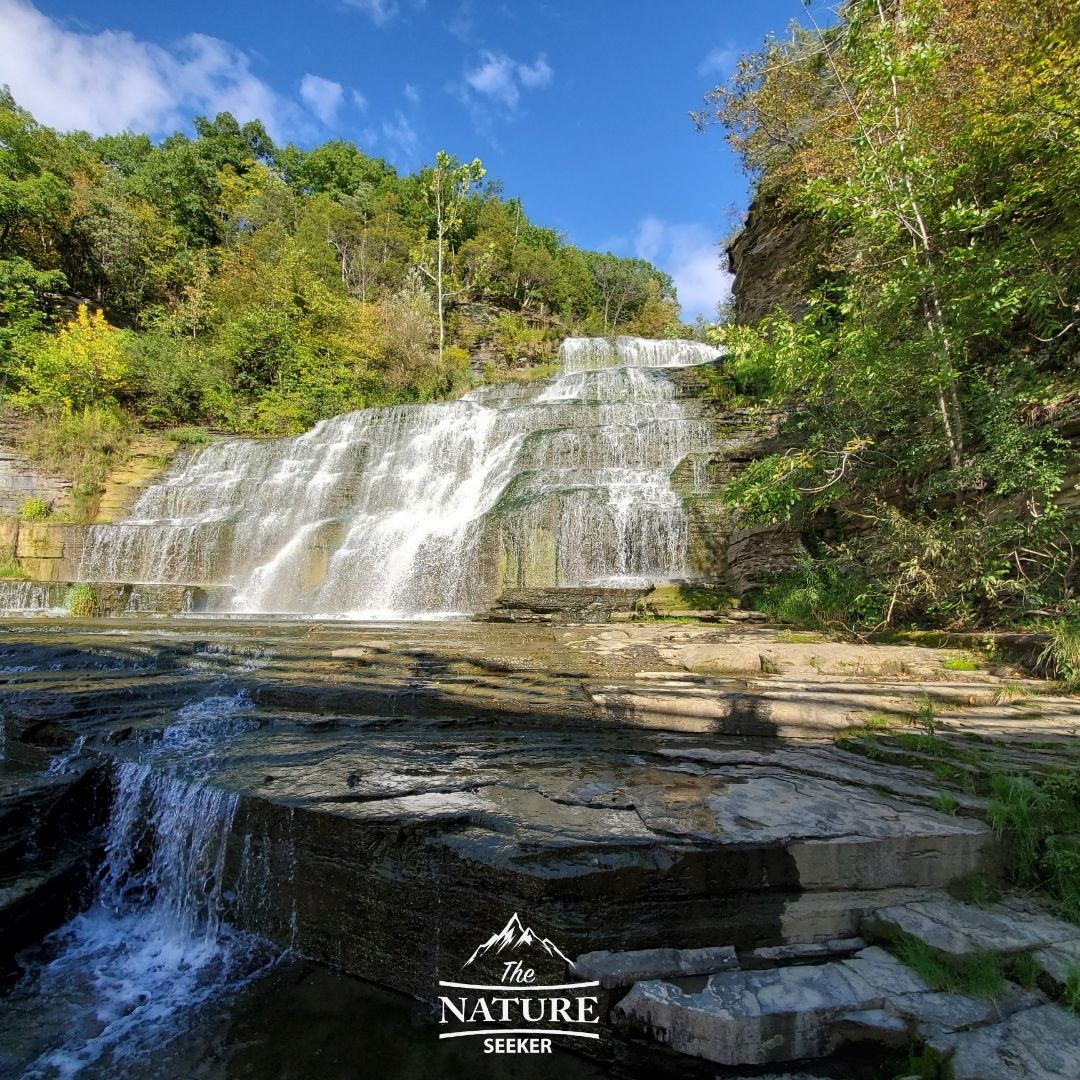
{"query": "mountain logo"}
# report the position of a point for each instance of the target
(515, 936)
(519, 1014)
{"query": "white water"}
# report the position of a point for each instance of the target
(120, 980)
(424, 510)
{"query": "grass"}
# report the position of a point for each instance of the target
(1039, 819)
(1060, 658)
(1025, 970)
(12, 571)
(1071, 995)
(975, 889)
(1010, 691)
(81, 601)
(945, 803)
(190, 436)
(980, 975)
(822, 596)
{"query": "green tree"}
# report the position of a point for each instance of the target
(446, 189)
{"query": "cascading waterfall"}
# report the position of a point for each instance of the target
(133, 970)
(422, 510)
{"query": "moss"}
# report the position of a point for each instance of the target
(960, 663)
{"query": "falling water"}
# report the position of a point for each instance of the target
(421, 510)
(119, 980)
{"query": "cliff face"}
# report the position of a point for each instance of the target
(767, 259)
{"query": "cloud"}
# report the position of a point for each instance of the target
(538, 74)
(359, 100)
(412, 93)
(498, 79)
(111, 81)
(401, 135)
(692, 257)
(720, 60)
(380, 12)
(322, 96)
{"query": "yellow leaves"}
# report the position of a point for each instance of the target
(82, 365)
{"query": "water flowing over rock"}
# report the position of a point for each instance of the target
(432, 509)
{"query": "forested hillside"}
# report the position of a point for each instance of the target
(925, 154)
(229, 282)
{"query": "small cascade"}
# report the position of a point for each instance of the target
(132, 971)
(428, 510)
(46, 597)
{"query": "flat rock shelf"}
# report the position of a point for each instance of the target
(670, 802)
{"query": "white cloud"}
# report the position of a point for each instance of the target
(412, 93)
(322, 96)
(359, 100)
(693, 259)
(720, 60)
(499, 79)
(401, 135)
(537, 74)
(379, 11)
(109, 81)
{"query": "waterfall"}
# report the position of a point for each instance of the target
(122, 978)
(426, 510)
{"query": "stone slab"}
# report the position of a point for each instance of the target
(762, 1017)
(1037, 1044)
(957, 929)
(613, 969)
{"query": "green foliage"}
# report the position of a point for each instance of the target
(946, 804)
(1060, 658)
(1072, 987)
(922, 149)
(980, 975)
(35, 508)
(10, 569)
(264, 288)
(976, 889)
(822, 594)
(1040, 819)
(81, 601)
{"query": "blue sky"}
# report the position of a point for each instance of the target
(578, 106)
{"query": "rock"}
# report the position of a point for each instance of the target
(613, 969)
(803, 952)
(776, 1015)
(563, 604)
(957, 929)
(1059, 961)
(1038, 1044)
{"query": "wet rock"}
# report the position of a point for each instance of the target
(612, 969)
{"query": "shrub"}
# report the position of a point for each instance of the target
(34, 508)
(81, 601)
(823, 595)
